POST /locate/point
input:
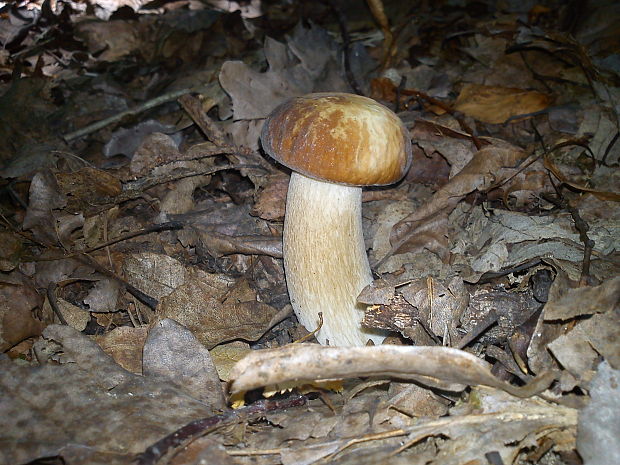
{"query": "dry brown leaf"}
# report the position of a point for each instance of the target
(313, 362)
(215, 314)
(306, 63)
(75, 316)
(492, 104)
(158, 275)
(155, 150)
(427, 168)
(442, 302)
(489, 167)
(219, 245)
(271, 200)
(18, 301)
(599, 423)
(506, 426)
(43, 197)
(225, 356)
(86, 187)
(113, 39)
(11, 248)
(124, 344)
(454, 146)
(415, 401)
(53, 413)
(172, 352)
(601, 195)
(566, 303)
(103, 296)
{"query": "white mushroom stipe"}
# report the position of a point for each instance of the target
(325, 259)
(334, 143)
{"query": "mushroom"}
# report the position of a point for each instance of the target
(334, 143)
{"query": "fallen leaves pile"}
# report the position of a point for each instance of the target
(142, 289)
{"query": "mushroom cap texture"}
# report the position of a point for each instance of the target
(337, 137)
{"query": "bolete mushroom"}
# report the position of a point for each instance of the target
(334, 143)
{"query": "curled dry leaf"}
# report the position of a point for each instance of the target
(489, 167)
(429, 365)
(599, 194)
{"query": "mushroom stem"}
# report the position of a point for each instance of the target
(325, 259)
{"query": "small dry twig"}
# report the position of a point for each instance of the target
(199, 428)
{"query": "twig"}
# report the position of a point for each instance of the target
(346, 43)
(51, 298)
(169, 226)
(482, 325)
(215, 134)
(399, 91)
(582, 227)
(137, 188)
(146, 299)
(155, 228)
(170, 96)
(378, 12)
(612, 142)
(199, 428)
(311, 334)
(193, 107)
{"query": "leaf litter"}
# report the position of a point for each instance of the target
(143, 291)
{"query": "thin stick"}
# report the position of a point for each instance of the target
(346, 43)
(146, 299)
(199, 428)
(51, 298)
(132, 111)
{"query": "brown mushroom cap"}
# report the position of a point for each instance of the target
(341, 138)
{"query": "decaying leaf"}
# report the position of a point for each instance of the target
(54, 413)
(499, 425)
(599, 423)
(124, 345)
(18, 302)
(87, 187)
(270, 201)
(172, 352)
(11, 247)
(518, 238)
(217, 314)
(567, 303)
(488, 167)
(294, 67)
(502, 238)
(225, 356)
(497, 104)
